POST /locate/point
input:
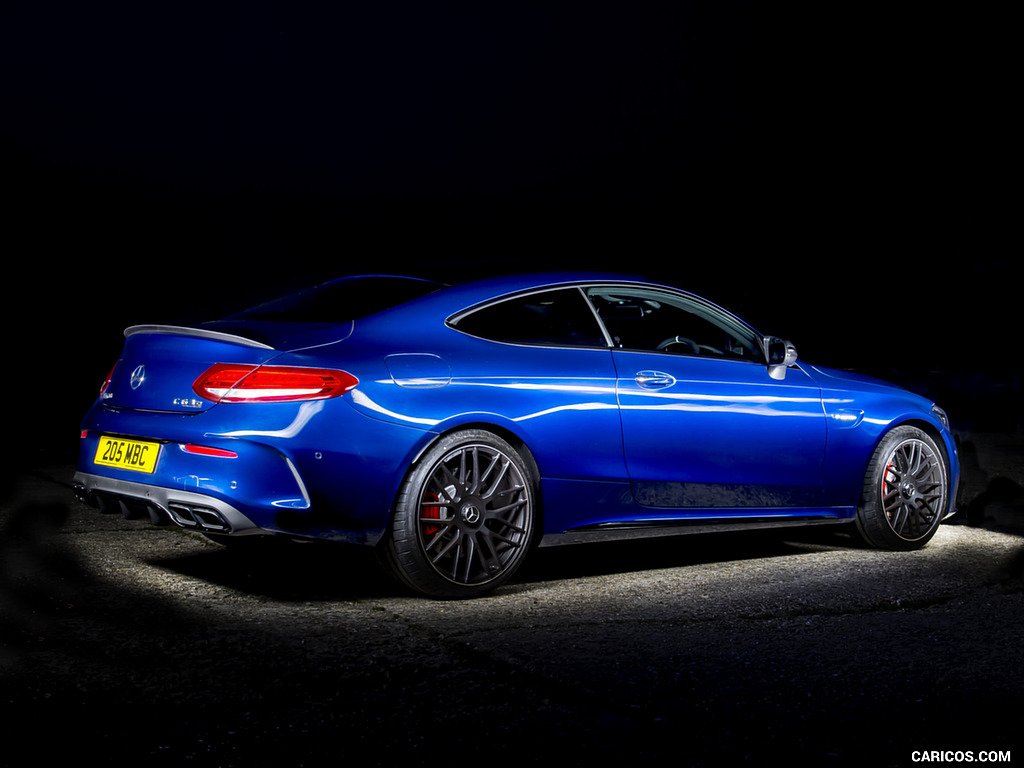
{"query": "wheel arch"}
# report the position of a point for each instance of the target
(930, 429)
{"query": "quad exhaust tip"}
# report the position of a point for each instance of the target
(183, 515)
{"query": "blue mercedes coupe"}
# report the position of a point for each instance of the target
(454, 428)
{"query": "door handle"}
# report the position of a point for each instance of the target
(654, 380)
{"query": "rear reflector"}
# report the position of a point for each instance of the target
(237, 383)
(205, 450)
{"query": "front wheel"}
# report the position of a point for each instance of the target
(906, 491)
(463, 521)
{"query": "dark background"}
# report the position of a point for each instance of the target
(836, 174)
(840, 175)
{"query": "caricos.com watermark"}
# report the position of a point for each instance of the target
(960, 756)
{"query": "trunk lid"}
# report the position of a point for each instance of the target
(160, 363)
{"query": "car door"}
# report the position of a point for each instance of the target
(704, 424)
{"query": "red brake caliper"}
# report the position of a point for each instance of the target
(885, 480)
(433, 513)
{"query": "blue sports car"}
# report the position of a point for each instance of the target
(456, 427)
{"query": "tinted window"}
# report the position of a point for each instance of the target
(655, 321)
(348, 298)
(561, 317)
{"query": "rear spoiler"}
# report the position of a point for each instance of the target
(199, 333)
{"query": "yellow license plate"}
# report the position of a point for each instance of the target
(127, 454)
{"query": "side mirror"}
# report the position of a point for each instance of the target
(781, 354)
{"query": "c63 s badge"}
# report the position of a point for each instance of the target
(188, 402)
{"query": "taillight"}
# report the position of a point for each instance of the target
(237, 383)
(106, 381)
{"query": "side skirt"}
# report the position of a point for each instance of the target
(645, 529)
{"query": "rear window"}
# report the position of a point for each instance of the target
(347, 298)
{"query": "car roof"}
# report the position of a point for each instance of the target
(424, 312)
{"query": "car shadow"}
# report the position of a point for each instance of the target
(286, 571)
(637, 555)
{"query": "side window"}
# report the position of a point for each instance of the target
(653, 321)
(560, 317)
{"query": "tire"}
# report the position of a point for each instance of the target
(463, 521)
(906, 491)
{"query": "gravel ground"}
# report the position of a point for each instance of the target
(143, 646)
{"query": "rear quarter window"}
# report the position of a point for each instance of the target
(560, 317)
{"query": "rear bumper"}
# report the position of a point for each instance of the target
(309, 471)
(163, 506)
(249, 492)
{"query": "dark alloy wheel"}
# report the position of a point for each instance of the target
(906, 491)
(464, 518)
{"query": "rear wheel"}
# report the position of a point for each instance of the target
(463, 520)
(906, 491)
